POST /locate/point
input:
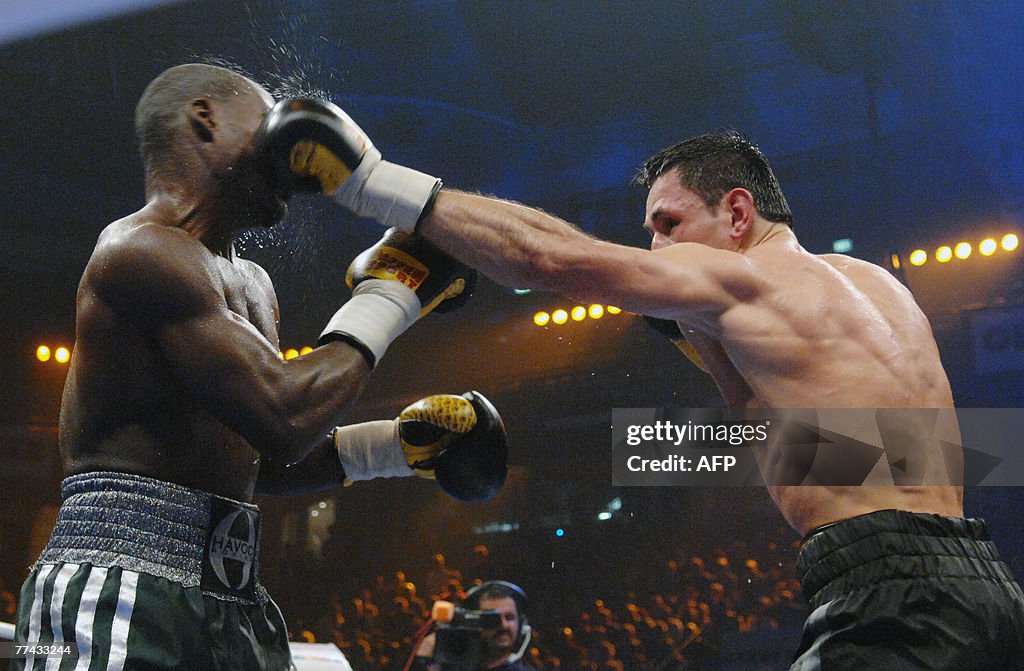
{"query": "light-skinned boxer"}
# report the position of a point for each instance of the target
(894, 574)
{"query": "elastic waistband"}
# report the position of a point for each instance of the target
(144, 525)
(895, 544)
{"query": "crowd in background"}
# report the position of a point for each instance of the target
(673, 605)
(676, 618)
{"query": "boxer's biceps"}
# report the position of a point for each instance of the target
(227, 367)
(688, 281)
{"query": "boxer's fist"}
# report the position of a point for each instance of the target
(311, 146)
(458, 440)
(670, 330)
(441, 283)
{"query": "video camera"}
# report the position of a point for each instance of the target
(459, 645)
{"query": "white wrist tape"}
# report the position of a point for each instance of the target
(378, 312)
(391, 194)
(371, 450)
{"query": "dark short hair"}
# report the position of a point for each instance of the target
(712, 164)
(497, 589)
(160, 112)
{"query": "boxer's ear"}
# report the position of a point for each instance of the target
(201, 119)
(740, 205)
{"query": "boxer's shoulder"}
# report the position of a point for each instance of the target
(139, 264)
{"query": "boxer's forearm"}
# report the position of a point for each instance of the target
(512, 244)
(320, 470)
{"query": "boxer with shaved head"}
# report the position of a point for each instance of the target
(177, 407)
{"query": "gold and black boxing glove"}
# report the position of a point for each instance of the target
(458, 440)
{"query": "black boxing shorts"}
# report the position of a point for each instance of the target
(896, 590)
(144, 574)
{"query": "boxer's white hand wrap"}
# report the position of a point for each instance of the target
(371, 450)
(378, 312)
(391, 194)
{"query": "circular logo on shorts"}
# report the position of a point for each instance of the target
(232, 549)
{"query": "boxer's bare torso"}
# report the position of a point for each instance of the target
(777, 327)
(130, 403)
(830, 332)
(176, 373)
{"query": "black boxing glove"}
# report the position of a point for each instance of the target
(311, 146)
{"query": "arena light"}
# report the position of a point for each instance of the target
(577, 313)
(62, 354)
(1009, 242)
(988, 247)
(943, 254)
(43, 353)
(918, 257)
(962, 250)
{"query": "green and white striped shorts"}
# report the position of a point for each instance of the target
(144, 574)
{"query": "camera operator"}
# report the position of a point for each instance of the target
(489, 632)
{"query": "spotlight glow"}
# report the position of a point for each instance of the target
(62, 354)
(918, 257)
(290, 353)
(962, 250)
(541, 318)
(43, 353)
(1010, 242)
(579, 313)
(559, 316)
(596, 311)
(988, 247)
(612, 310)
(943, 254)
